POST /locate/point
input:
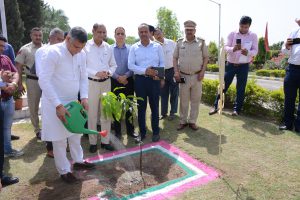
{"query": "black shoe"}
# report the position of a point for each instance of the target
(107, 147)
(235, 113)
(38, 135)
(213, 111)
(284, 127)
(155, 138)
(84, 165)
(118, 135)
(69, 178)
(14, 137)
(93, 148)
(6, 180)
(140, 139)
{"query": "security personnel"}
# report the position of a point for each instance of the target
(189, 60)
(25, 59)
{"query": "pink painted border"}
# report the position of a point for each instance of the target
(211, 173)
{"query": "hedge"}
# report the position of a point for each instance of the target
(258, 100)
(212, 68)
(271, 72)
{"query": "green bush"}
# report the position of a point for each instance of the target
(271, 73)
(258, 101)
(212, 68)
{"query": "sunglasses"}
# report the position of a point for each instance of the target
(120, 33)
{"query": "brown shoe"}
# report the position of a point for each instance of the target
(181, 126)
(84, 165)
(69, 178)
(50, 154)
(193, 126)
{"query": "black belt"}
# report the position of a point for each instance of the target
(294, 65)
(197, 72)
(32, 77)
(97, 80)
(4, 99)
(237, 64)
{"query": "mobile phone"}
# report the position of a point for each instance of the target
(182, 80)
(238, 41)
(296, 40)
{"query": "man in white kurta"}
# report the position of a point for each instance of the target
(100, 66)
(62, 77)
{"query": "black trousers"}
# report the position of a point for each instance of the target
(128, 90)
(1, 143)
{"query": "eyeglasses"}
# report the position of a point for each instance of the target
(120, 33)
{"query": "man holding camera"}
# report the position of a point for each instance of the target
(241, 46)
(292, 81)
(189, 60)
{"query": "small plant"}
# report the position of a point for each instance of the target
(116, 106)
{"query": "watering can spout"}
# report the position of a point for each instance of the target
(77, 120)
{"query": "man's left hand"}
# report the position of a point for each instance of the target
(85, 104)
(244, 52)
(201, 75)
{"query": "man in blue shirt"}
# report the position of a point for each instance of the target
(9, 51)
(143, 56)
(122, 77)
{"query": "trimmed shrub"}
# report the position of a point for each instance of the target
(258, 100)
(271, 73)
(212, 68)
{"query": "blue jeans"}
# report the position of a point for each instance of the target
(8, 109)
(241, 73)
(170, 89)
(147, 88)
(291, 88)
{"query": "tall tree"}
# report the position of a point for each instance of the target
(212, 52)
(15, 25)
(168, 22)
(53, 18)
(31, 14)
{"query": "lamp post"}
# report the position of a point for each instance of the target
(3, 18)
(219, 39)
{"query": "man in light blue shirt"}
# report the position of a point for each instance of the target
(143, 56)
(122, 77)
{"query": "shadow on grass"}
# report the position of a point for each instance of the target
(256, 127)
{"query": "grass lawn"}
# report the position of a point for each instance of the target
(257, 160)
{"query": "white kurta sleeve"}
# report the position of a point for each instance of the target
(45, 76)
(84, 84)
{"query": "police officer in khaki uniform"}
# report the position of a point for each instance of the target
(25, 61)
(190, 59)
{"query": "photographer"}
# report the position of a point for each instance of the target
(292, 81)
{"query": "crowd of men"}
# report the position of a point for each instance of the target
(71, 67)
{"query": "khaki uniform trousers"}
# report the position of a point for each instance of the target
(34, 94)
(95, 91)
(190, 96)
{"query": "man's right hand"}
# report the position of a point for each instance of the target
(289, 43)
(151, 72)
(61, 113)
(122, 79)
(177, 76)
(237, 47)
(102, 75)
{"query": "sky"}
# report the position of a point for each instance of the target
(280, 15)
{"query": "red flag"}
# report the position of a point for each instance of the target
(266, 39)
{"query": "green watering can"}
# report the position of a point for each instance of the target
(77, 120)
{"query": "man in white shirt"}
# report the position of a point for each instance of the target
(56, 35)
(62, 77)
(292, 81)
(100, 64)
(170, 87)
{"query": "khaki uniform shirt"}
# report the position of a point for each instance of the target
(26, 55)
(190, 55)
